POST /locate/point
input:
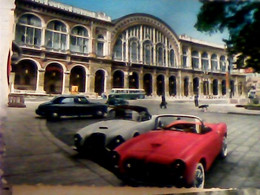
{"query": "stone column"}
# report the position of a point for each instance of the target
(40, 81)
(166, 83)
(66, 83)
(126, 79)
(154, 84)
(91, 84)
(141, 79)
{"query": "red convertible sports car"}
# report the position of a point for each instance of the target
(178, 153)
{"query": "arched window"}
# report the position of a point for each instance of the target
(28, 31)
(56, 36)
(184, 57)
(147, 52)
(195, 59)
(222, 63)
(79, 40)
(118, 50)
(205, 61)
(134, 50)
(171, 59)
(214, 62)
(100, 45)
(160, 55)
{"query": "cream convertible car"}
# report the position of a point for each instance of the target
(123, 122)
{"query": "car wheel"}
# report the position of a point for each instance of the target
(224, 150)
(99, 113)
(199, 176)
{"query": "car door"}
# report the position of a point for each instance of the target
(211, 145)
(67, 106)
(80, 104)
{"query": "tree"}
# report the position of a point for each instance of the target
(242, 20)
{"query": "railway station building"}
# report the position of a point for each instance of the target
(66, 49)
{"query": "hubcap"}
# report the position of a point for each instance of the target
(199, 177)
(224, 147)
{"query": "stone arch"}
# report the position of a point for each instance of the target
(26, 73)
(133, 80)
(118, 79)
(172, 86)
(100, 77)
(186, 86)
(131, 20)
(78, 78)
(53, 78)
(196, 83)
(148, 84)
(215, 87)
(160, 84)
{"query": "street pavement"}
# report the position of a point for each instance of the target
(29, 145)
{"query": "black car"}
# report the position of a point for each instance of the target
(70, 105)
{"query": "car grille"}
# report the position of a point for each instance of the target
(151, 172)
(96, 141)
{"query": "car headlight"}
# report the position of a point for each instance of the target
(77, 140)
(178, 168)
(115, 157)
(130, 164)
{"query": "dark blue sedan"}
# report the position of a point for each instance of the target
(71, 105)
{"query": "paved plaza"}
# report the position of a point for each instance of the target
(37, 154)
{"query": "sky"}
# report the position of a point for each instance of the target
(180, 15)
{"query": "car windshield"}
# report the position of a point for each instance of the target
(178, 123)
(128, 114)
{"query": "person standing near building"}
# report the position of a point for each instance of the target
(163, 103)
(196, 100)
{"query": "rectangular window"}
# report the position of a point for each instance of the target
(100, 47)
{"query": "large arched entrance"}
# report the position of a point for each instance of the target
(25, 75)
(172, 86)
(99, 82)
(133, 81)
(148, 81)
(53, 79)
(215, 87)
(160, 85)
(118, 79)
(78, 78)
(196, 82)
(186, 86)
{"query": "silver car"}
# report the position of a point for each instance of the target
(122, 123)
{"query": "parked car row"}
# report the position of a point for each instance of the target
(169, 148)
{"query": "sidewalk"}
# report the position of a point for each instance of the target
(34, 156)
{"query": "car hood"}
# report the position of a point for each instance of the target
(108, 127)
(161, 145)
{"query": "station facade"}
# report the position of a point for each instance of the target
(65, 49)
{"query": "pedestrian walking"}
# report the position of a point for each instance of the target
(163, 103)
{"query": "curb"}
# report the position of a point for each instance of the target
(94, 167)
